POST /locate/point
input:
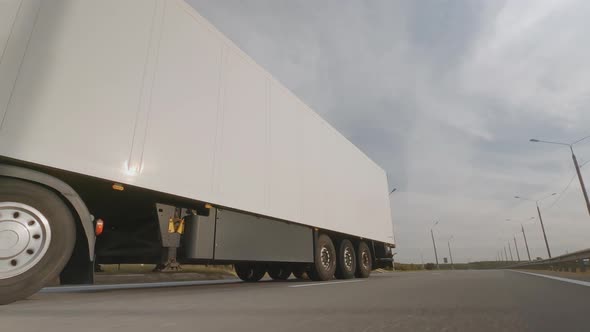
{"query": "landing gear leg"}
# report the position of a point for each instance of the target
(171, 228)
(169, 261)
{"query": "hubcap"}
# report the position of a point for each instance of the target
(348, 259)
(326, 258)
(25, 236)
(365, 257)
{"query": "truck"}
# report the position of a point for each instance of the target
(133, 131)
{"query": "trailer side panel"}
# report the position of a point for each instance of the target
(148, 93)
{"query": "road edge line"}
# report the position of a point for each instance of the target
(325, 283)
(128, 286)
(571, 281)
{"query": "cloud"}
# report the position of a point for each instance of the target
(444, 97)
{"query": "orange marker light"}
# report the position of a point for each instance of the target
(99, 228)
(208, 206)
(118, 186)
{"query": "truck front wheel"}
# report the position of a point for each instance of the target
(324, 265)
(37, 236)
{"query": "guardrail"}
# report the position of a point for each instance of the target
(578, 261)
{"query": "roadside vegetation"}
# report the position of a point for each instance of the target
(148, 268)
(457, 266)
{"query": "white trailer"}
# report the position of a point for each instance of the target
(137, 119)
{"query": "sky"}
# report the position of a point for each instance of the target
(444, 96)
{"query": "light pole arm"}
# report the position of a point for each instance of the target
(581, 139)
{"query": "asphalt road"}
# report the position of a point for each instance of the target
(421, 301)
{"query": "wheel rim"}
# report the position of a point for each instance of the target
(25, 236)
(348, 258)
(365, 259)
(326, 258)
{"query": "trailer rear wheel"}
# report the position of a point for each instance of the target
(299, 271)
(250, 272)
(346, 261)
(279, 271)
(364, 261)
(325, 260)
(37, 236)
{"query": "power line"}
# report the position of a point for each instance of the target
(562, 192)
(566, 187)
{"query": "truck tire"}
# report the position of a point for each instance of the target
(346, 260)
(364, 261)
(250, 272)
(37, 237)
(324, 266)
(299, 272)
(279, 271)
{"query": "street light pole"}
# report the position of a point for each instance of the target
(543, 228)
(434, 245)
(505, 254)
(451, 254)
(540, 218)
(580, 179)
(516, 247)
(525, 242)
(576, 165)
(422, 258)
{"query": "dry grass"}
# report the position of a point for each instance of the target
(147, 268)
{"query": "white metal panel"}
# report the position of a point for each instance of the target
(339, 208)
(183, 117)
(314, 190)
(286, 144)
(371, 198)
(17, 18)
(134, 163)
(242, 181)
(8, 11)
(76, 97)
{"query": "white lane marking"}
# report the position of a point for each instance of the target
(571, 281)
(325, 283)
(98, 288)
